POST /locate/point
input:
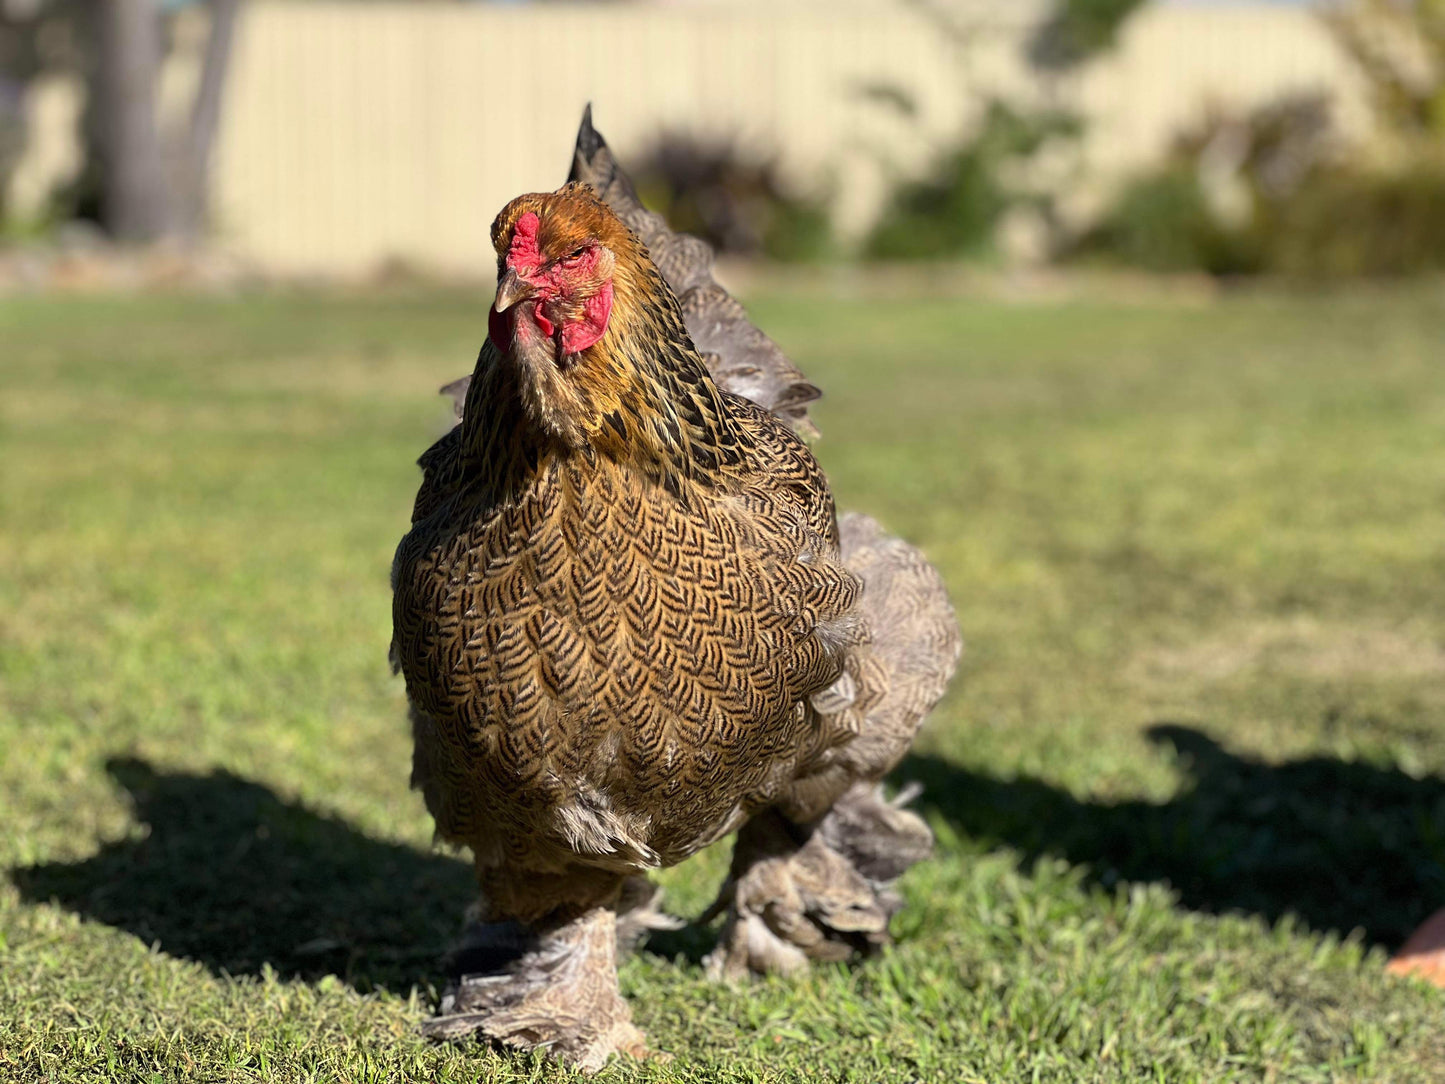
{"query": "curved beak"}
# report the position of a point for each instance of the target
(511, 289)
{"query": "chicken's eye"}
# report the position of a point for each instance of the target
(575, 254)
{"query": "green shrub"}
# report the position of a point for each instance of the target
(735, 202)
(953, 213)
(1307, 210)
(1299, 204)
(1351, 224)
(798, 232)
(1336, 224)
(1164, 223)
(956, 209)
(1079, 30)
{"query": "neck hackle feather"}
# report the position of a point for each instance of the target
(640, 396)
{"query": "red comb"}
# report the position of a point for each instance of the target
(524, 251)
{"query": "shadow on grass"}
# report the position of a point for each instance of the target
(1342, 845)
(235, 877)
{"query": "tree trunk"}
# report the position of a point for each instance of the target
(193, 158)
(136, 199)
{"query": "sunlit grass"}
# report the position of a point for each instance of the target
(1188, 785)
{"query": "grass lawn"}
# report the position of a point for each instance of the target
(1189, 786)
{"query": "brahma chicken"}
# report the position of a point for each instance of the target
(630, 624)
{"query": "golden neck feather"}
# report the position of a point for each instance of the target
(641, 396)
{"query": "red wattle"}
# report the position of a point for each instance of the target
(580, 334)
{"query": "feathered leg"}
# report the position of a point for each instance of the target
(822, 892)
(553, 987)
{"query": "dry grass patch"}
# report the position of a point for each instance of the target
(1299, 646)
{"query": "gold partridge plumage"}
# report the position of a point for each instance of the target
(629, 624)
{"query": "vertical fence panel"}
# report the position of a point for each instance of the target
(356, 133)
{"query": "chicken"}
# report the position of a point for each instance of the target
(630, 624)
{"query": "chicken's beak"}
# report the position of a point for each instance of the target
(511, 289)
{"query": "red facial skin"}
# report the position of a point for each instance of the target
(556, 286)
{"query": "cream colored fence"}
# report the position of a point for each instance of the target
(355, 133)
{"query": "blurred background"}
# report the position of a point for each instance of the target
(344, 139)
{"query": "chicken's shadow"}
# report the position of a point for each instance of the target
(1344, 845)
(236, 878)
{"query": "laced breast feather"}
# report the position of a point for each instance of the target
(610, 660)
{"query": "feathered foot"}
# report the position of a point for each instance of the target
(823, 892)
(554, 988)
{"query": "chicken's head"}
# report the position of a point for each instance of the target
(557, 255)
(587, 332)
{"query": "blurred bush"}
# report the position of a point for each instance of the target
(1340, 223)
(956, 209)
(1278, 190)
(1213, 205)
(1163, 222)
(732, 200)
(1359, 224)
(1078, 30)
(1399, 48)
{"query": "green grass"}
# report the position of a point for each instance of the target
(1189, 785)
